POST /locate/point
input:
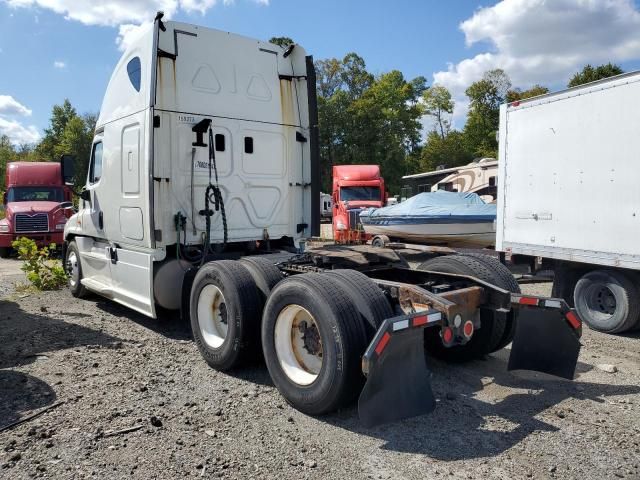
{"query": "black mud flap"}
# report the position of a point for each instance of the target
(398, 381)
(546, 340)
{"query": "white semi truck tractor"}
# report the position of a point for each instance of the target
(203, 184)
(567, 194)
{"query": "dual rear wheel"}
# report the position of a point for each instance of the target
(312, 329)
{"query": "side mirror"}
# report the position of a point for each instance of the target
(68, 169)
(85, 195)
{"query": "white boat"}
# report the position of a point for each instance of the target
(451, 218)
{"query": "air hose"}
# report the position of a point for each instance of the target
(213, 194)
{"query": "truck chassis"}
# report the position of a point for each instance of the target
(339, 322)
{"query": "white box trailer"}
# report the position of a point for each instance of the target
(204, 180)
(568, 193)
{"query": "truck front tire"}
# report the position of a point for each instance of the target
(73, 267)
(608, 301)
(4, 252)
(313, 338)
(225, 309)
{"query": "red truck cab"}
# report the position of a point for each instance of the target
(355, 187)
(36, 204)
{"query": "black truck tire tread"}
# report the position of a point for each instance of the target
(487, 338)
(264, 273)
(340, 326)
(244, 304)
(508, 282)
(372, 304)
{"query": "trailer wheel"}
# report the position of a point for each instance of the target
(73, 268)
(506, 281)
(607, 301)
(313, 338)
(264, 273)
(4, 252)
(372, 304)
(487, 338)
(225, 309)
(380, 241)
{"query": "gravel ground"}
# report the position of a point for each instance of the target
(113, 369)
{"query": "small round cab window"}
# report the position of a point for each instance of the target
(134, 71)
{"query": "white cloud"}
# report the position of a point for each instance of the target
(128, 15)
(17, 132)
(129, 32)
(541, 41)
(59, 64)
(110, 13)
(10, 106)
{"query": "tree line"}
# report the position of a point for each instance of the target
(363, 119)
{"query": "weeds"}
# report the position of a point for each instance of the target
(42, 271)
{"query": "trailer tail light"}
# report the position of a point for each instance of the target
(447, 335)
(468, 329)
(528, 301)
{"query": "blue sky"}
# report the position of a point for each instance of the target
(54, 49)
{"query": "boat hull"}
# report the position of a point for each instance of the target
(454, 233)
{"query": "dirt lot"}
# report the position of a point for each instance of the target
(113, 369)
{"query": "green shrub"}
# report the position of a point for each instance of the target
(43, 272)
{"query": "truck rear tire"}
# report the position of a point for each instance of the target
(313, 339)
(506, 281)
(608, 301)
(489, 336)
(264, 273)
(73, 267)
(225, 309)
(372, 304)
(4, 252)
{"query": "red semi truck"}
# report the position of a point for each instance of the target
(37, 204)
(355, 187)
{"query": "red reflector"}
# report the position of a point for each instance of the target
(417, 321)
(573, 320)
(447, 335)
(468, 329)
(515, 104)
(383, 343)
(528, 301)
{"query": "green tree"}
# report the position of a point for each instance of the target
(591, 74)
(448, 151)
(485, 98)
(439, 105)
(518, 94)
(283, 42)
(77, 139)
(366, 119)
(60, 116)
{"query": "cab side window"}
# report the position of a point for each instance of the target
(95, 170)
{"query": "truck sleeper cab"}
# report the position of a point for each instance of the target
(203, 181)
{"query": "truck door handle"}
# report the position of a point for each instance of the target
(100, 220)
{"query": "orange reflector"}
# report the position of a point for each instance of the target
(573, 320)
(528, 301)
(421, 320)
(383, 343)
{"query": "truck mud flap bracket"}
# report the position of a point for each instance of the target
(398, 381)
(547, 336)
